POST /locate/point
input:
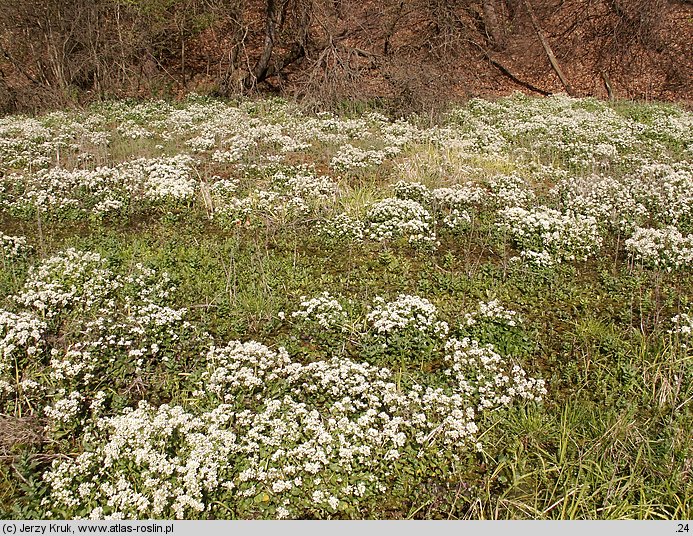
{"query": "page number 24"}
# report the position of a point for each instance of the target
(682, 527)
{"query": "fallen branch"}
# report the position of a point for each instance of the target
(17, 65)
(547, 48)
(507, 72)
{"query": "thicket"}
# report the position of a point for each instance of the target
(56, 52)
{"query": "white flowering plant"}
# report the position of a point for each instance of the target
(413, 191)
(273, 437)
(392, 218)
(342, 229)
(665, 248)
(13, 248)
(70, 281)
(452, 207)
(492, 311)
(350, 158)
(546, 237)
(323, 318)
(114, 328)
(405, 330)
(129, 393)
(653, 195)
(285, 195)
(59, 193)
(22, 344)
(492, 323)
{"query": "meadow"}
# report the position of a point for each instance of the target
(247, 309)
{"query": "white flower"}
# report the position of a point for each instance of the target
(323, 310)
(406, 312)
(392, 218)
(663, 248)
(546, 236)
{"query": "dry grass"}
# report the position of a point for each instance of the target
(18, 432)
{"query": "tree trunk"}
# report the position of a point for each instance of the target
(274, 13)
(493, 26)
(607, 85)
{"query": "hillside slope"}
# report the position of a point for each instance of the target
(413, 51)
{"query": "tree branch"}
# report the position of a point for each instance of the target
(547, 48)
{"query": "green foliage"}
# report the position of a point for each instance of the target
(140, 305)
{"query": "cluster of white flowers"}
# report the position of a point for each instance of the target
(406, 314)
(223, 188)
(21, 334)
(451, 205)
(242, 368)
(460, 196)
(608, 200)
(311, 186)
(413, 191)
(237, 147)
(262, 431)
(661, 248)
(486, 377)
(655, 193)
(71, 279)
(167, 178)
(42, 141)
(205, 142)
(392, 218)
(13, 247)
(303, 182)
(100, 191)
(281, 450)
(23, 141)
(547, 237)
(457, 196)
(59, 191)
(682, 324)
(143, 438)
(21, 339)
(493, 311)
(282, 435)
(457, 220)
(66, 408)
(130, 129)
(114, 320)
(131, 346)
(342, 228)
(584, 134)
(510, 191)
(666, 190)
(411, 214)
(147, 335)
(148, 331)
(294, 192)
(349, 157)
(323, 310)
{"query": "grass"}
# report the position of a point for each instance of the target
(612, 440)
